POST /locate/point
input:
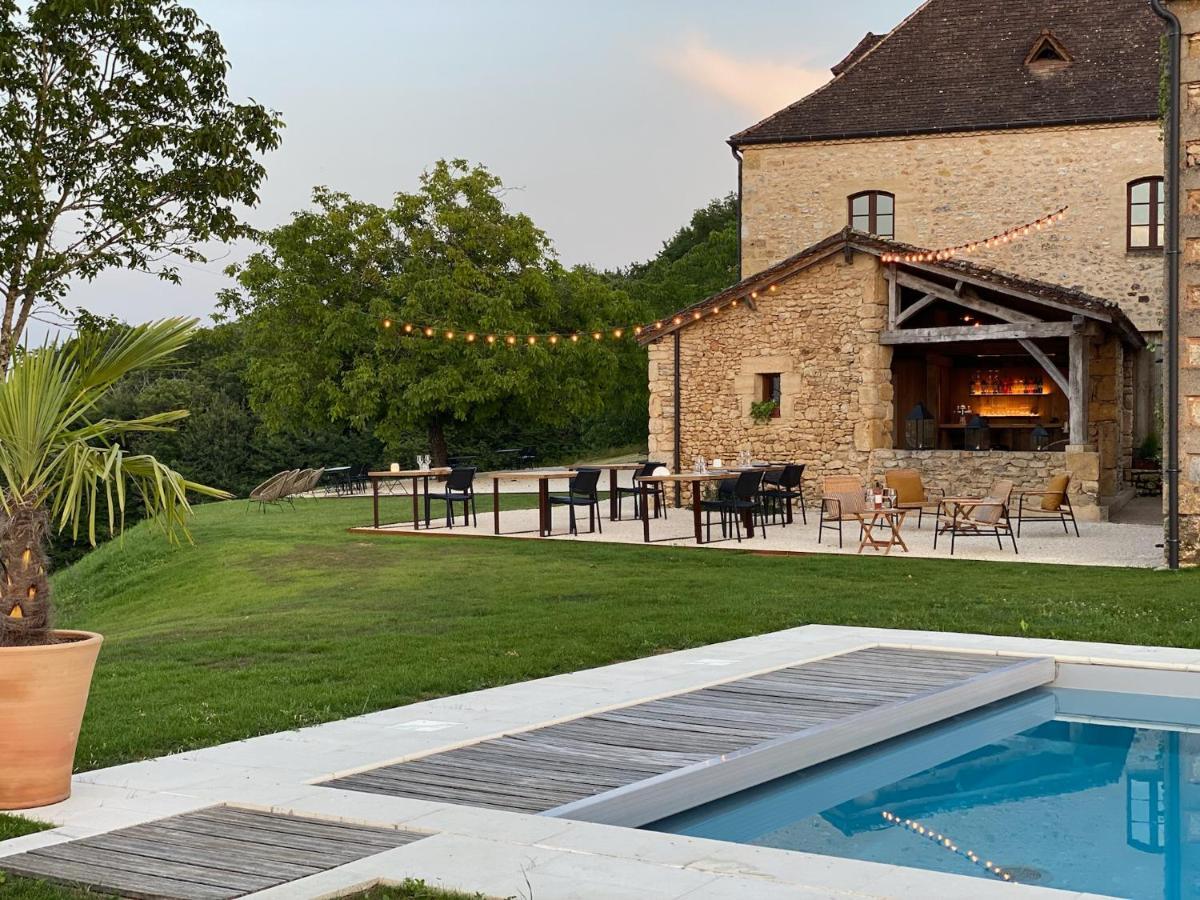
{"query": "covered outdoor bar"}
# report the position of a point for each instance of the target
(879, 355)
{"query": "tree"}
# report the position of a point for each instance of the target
(119, 146)
(317, 299)
(60, 463)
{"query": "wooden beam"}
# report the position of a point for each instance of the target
(972, 302)
(1046, 363)
(893, 295)
(1078, 391)
(1096, 314)
(950, 334)
(915, 308)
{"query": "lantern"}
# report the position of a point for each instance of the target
(920, 429)
(978, 436)
(1040, 437)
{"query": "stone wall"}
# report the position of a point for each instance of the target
(1188, 12)
(954, 188)
(819, 332)
(971, 473)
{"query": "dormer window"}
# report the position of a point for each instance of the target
(873, 212)
(1047, 54)
(1146, 214)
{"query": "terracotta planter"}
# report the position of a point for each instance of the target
(43, 692)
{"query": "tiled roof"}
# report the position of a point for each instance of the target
(851, 241)
(959, 65)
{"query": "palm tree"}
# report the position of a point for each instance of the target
(60, 464)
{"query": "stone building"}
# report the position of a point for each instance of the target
(965, 120)
(1188, 12)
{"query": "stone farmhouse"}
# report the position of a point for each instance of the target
(1033, 353)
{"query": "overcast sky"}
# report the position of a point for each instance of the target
(609, 118)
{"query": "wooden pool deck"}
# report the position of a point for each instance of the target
(632, 765)
(211, 854)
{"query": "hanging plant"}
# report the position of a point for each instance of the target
(762, 411)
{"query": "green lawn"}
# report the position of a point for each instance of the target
(277, 620)
(280, 620)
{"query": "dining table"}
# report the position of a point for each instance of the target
(417, 476)
(697, 480)
(543, 478)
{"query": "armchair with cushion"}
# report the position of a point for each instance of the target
(1054, 505)
(911, 492)
(977, 517)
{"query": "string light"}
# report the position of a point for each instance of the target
(970, 247)
(945, 843)
(387, 323)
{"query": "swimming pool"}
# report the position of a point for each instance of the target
(1077, 790)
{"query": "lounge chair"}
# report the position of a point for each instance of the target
(1054, 506)
(977, 517)
(911, 492)
(843, 499)
(271, 490)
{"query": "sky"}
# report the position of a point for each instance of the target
(607, 120)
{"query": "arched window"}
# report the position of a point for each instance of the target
(1146, 216)
(873, 212)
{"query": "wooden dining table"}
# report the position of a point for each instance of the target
(417, 475)
(697, 480)
(543, 478)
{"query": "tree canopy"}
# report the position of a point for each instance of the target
(450, 256)
(119, 146)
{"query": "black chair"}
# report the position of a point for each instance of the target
(581, 491)
(781, 487)
(744, 500)
(720, 504)
(657, 490)
(358, 478)
(460, 488)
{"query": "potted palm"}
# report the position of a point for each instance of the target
(60, 465)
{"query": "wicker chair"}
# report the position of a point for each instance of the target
(911, 492)
(1054, 506)
(271, 490)
(843, 499)
(983, 517)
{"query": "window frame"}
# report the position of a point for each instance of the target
(1157, 229)
(873, 211)
(770, 387)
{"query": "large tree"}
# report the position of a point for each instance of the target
(119, 146)
(450, 256)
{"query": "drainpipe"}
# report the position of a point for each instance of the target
(737, 154)
(678, 439)
(1171, 323)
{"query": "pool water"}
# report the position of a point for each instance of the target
(1083, 799)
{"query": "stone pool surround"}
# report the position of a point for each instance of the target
(503, 854)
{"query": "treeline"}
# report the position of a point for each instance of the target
(302, 371)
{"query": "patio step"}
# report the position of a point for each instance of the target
(633, 765)
(210, 854)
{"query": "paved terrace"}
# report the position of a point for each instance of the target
(1133, 541)
(501, 852)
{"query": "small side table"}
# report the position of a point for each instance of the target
(888, 520)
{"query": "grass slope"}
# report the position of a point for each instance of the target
(280, 620)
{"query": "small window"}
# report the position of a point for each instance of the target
(1147, 214)
(874, 212)
(771, 388)
(1047, 53)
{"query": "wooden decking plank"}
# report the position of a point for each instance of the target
(289, 825)
(111, 881)
(232, 853)
(86, 853)
(608, 751)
